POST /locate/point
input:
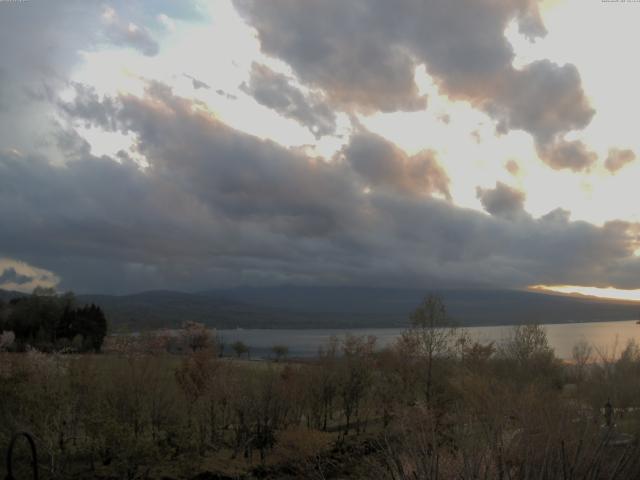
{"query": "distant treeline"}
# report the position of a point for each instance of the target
(50, 322)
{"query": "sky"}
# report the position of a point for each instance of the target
(417, 143)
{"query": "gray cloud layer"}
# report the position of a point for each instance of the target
(219, 207)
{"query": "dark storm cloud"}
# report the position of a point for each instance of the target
(618, 158)
(503, 201)
(229, 171)
(220, 207)
(274, 90)
(364, 54)
(456, 245)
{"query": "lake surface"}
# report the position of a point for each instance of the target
(608, 337)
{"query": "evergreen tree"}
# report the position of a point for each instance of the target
(46, 321)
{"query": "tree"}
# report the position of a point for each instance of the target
(196, 336)
(280, 352)
(527, 354)
(356, 375)
(476, 354)
(527, 343)
(322, 384)
(431, 334)
(88, 321)
(240, 348)
(581, 354)
(50, 322)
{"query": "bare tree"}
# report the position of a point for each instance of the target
(432, 333)
(280, 352)
(526, 343)
(356, 376)
(582, 354)
(196, 336)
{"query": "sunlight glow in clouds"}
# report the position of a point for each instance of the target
(611, 293)
(464, 138)
(610, 80)
(22, 277)
(222, 74)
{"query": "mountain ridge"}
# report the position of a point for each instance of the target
(345, 307)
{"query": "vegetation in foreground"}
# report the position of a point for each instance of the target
(50, 322)
(435, 405)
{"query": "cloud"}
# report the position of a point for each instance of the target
(22, 277)
(572, 155)
(39, 64)
(217, 207)
(618, 158)
(383, 165)
(89, 107)
(512, 167)
(341, 48)
(503, 201)
(363, 54)
(197, 84)
(10, 275)
(544, 99)
(123, 33)
(276, 91)
(36, 64)
(167, 22)
(3, 79)
(558, 216)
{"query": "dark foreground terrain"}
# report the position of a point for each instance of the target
(433, 406)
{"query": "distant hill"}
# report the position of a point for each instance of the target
(344, 307)
(6, 295)
(391, 306)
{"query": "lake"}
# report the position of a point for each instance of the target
(605, 336)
